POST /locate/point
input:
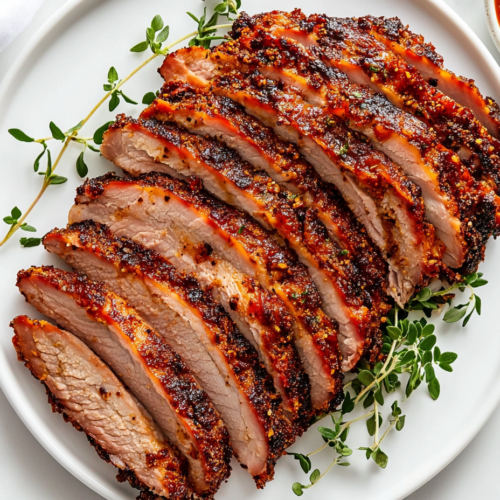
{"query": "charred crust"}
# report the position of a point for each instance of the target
(186, 398)
(240, 355)
(282, 265)
(454, 177)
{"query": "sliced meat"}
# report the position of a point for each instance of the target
(86, 391)
(179, 221)
(233, 180)
(225, 365)
(143, 361)
(453, 198)
(423, 56)
(407, 254)
(348, 46)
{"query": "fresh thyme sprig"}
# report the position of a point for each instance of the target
(156, 35)
(111, 86)
(410, 348)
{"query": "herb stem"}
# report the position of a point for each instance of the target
(74, 134)
(383, 373)
(45, 185)
(330, 467)
(375, 409)
(393, 423)
(321, 448)
(348, 424)
(389, 356)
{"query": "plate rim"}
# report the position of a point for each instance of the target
(12, 389)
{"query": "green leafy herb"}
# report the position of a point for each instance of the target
(148, 98)
(36, 165)
(305, 461)
(241, 229)
(156, 35)
(30, 242)
(57, 133)
(77, 127)
(20, 135)
(98, 134)
(113, 87)
(411, 351)
(57, 179)
(427, 301)
(344, 149)
(81, 166)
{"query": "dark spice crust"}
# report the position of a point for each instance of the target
(474, 202)
(456, 126)
(370, 169)
(287, 275)
(232, 169)
(282, 213)
(240, 355)
(316, 237)
(185, 396)
(394, 30)
(174, 465)
(287, 161)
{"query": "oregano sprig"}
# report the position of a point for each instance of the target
(427, 301)
(156, 34)
(411, 358)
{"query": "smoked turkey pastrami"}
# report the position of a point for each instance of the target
(390, 207)
(421, 54)
(225, 365)
(144, 362)
(346, 45)
(234, 181)
(87, 393)
(462, 210)
(176, 218)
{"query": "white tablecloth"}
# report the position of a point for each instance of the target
(15, 15)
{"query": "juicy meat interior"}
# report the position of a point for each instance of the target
(142, 360)
(178, 220)
(86, 391)
(225, 365)
(233, 180)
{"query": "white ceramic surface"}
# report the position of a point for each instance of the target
(59, 76)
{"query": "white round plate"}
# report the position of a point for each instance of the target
(59, 77)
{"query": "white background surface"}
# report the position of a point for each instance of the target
(27, 471)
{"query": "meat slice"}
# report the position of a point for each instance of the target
(233, 180)
(143, 361)
(225, 365)
(453, 198)
(407, 254)
(86, 391)
(407, 242)
(183, 224)
(347, 45)
(413, 48)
